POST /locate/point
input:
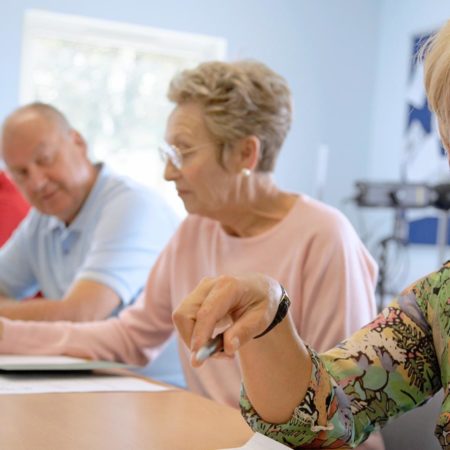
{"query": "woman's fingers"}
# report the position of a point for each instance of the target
(249, 324)
(251, 302)
(185, 315)
(216, 306)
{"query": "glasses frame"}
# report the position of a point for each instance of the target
(168, 152)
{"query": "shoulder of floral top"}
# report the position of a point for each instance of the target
(419, 283)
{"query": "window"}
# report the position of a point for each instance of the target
(111, 79)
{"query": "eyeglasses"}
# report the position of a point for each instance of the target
(171, 153)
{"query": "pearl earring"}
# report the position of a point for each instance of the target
(246, 172)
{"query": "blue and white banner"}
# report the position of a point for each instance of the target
(424, 157)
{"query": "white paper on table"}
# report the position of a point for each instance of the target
(40, 383)
(260, 442)
(28, 363)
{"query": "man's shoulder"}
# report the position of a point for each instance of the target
(116, 191)
(33, 229)
(112, 184)
(117, 196)
(36, 222)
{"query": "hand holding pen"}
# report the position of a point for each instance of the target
(213, 346)
(250, 301)
(276, 369)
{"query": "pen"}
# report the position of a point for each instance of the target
(212, 346)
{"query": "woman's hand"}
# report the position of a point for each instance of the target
(249, 302)
(270, 363)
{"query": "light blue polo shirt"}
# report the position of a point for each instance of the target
(115, 239)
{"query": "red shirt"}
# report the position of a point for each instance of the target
(13, 207)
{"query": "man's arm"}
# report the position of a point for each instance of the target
(86, 300)
(117, 264)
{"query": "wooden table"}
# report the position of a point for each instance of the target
(168, 420)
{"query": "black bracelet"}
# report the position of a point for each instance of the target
(282, 311)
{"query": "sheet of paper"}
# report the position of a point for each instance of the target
(260, 442)
(37, 362)
(44, 383)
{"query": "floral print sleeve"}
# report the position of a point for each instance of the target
(390, 366)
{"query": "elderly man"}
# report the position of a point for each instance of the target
(92, 235)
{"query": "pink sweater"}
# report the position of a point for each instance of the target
(314, 252)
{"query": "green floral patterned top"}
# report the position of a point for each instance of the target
(392, 365)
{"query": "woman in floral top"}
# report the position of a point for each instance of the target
(387, 368)
(392, 365)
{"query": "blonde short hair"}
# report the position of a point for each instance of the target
(240, 99)
(436, 56)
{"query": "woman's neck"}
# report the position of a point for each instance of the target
(258, 206)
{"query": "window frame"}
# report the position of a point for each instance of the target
(44, 24)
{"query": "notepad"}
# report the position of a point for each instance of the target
(57, 363)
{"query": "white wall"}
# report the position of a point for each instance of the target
(345, 60)
(400, 21)
(324, 48)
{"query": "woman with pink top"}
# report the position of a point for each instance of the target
(337, 398)
(222, 141)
